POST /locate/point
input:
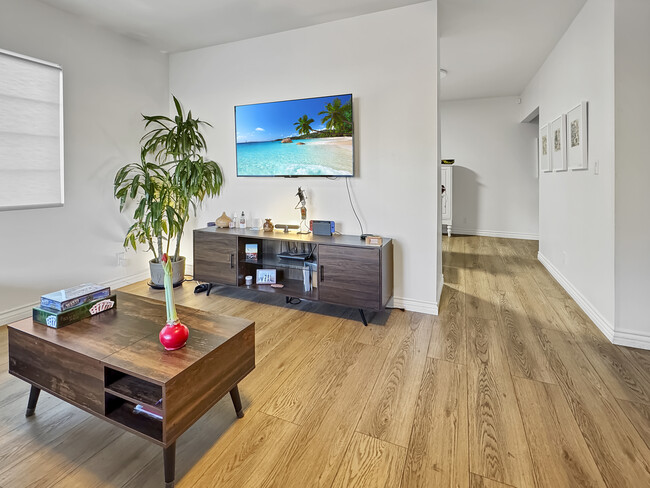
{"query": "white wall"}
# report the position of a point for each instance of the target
(632, 18)
(388, 61)
(108, 81)
(576, 216)
(495, 173)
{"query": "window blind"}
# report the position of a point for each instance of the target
(31, 132)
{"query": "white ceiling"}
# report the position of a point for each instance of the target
(174, 25)
(493, 48)
(489, 47)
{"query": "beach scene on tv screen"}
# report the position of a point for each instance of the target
(308, 137)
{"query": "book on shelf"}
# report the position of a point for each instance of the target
(73, 297)
(57, 319)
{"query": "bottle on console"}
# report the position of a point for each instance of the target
(242, 220)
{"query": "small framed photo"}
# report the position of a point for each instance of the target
(557, 140)
(251, 252)
(577, 142)
(265, 277)
(544, 152)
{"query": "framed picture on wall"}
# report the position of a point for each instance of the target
(544, 150)
(557, 139)
(577, 143)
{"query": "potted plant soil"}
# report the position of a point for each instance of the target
(173, 175)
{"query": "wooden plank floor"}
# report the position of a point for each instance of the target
(510, 386)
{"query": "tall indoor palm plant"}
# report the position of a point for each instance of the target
(172, 177)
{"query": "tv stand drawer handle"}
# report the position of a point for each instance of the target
(322, 273)
(232, 260)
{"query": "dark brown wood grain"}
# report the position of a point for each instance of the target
(351, 273)
(350, 276)
(215, 258)
(70, 375)
(110, 366)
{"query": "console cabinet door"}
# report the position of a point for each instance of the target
(215, 258)
(350, 276)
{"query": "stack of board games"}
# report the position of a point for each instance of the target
(65, 307)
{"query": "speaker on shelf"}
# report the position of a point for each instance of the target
(322, 227)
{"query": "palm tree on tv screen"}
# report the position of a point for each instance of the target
(303, 126)
(336, 116)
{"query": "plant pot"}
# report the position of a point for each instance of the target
(158, 274)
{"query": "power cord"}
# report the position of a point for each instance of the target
(347, 186)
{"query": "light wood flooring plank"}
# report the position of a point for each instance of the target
(538, 309)
(525, 355)
(314, 455)
(498, 446)
(438, 453)
(386, 336)
(478, 295)
(323, 371)
(252, 455)
(370, 463)
(639, 415)
(197, 448)
(617, 372)
(115, 463)
(560, 454)
(448, 337)
(621, 456)
(50, 423)
(44, 467)
(390, 410)
(477, 481)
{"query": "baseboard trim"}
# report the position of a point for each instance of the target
(494, 233)
(632, 339)
(24, 311)
(420, 306)
(586, 306)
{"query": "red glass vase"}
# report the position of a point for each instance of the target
(174, 336)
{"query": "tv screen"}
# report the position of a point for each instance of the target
(306, 137)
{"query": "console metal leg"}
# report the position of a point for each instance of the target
(31, 403)
(236, 401)
(363, 317)
(169, 460)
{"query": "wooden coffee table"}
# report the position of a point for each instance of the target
(109, 363)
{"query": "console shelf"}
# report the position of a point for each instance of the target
(344, 269)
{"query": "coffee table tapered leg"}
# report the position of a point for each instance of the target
(169, 460)
(236, 401)
(31, 403)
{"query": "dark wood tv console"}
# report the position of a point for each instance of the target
(344, 269)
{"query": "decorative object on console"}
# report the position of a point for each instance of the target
(173, 335)
(302, 204)
(577, 142)
(251, 252)
(248, 280)
(268, 225)
(448, 161)
(557, 143)
(322, 227)
(265, 276)
(223, 221)
(374, 240)
(171, 176)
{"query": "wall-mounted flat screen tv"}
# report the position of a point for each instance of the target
(306, 137)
